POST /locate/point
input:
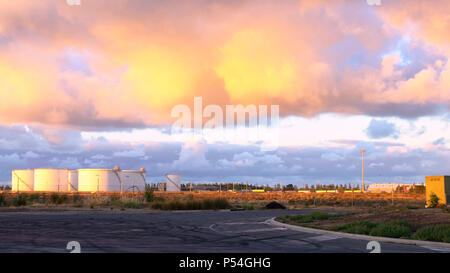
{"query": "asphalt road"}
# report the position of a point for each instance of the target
(190, 232)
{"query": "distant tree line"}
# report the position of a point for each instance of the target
(5, 188)
(226, 186)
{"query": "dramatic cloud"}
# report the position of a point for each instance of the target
(83, 66)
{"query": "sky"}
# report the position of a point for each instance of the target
(95, 85)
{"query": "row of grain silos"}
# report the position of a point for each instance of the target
(82, 180)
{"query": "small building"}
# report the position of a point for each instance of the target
(439, 185)
(382, 187)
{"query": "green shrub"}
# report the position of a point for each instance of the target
(131, 205)
(434, 200)
(113, 200)
(319, 215)
(76, 198)
(394, 229)
(2, 199)
(63, 198)
(157, 205)
(54, 198)
(149, 195)
(44, 198)
(58, 199)
(34, 197)
(438, 233)
(311, 217)
(357, 227)
(20, 200)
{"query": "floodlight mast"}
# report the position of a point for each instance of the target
(362, 153)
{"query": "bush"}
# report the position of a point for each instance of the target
(310, 217)
(76, 198)
(44, 198)
(434, 200)
(438, 233)
(419, 189)
(20, 200)
(34, 197)
(158, 205)
(63, 198)
(113, 200)
(394, 229)
(357, 227)
(149, 195)
(2, 199)
(58, 199)
(54, 198)
(131, 205)
(319, 215)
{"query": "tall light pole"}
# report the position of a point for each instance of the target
(362, 153)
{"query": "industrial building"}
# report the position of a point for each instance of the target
(83, 180)
(439, 185)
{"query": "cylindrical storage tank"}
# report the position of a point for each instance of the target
(94, 180)
(173, 182)
(132, 180)
(51, 179)
(22, 180)
(73, 180)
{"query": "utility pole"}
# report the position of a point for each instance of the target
(362, 153)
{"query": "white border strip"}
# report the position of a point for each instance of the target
(358, 236)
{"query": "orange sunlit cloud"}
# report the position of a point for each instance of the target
(134, 60)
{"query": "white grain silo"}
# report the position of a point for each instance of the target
(133, 180)
(99, 180)
(73, 180)
(51, 179)
(173, 182)
(22, 180)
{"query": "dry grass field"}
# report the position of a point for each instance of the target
(298, 200)
(250, 200)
